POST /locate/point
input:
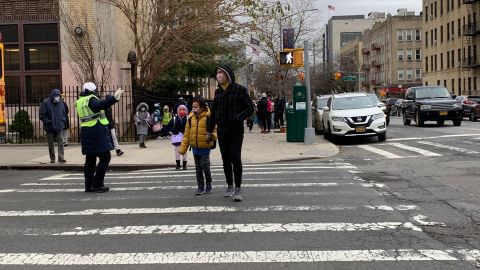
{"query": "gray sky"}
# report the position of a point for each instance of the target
(363, 7)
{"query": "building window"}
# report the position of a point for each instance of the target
(431, 37)
(441, 61)
(41, 56)
(409, 54)
(418, 34)
(448, 60)
(409, 35)
(475, 83)
(453, 58)
(39, 87)
(418, 74)
(453, 28)
(452, 6)
(400, 35)
(436, 62)
(409, 74)
(401, 75)
(441, 7)
(459, 86)
(435, 9)
(12, 89)
(418, 54)
(459, 28)
(426, 39)
(441, 34)
(438, 82)
(453, 85)
(426, 13)
(426, 63)
(400, 55)
(12, 57)
(40, 32)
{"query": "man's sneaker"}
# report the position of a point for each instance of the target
(97, 189)
(237, 195)
(200, 191)
(119, 152)
(228, 191)
(208, 189)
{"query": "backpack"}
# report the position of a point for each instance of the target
(270, 106)
(189, 119)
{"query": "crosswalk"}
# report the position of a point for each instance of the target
(413, 149)
(321, 212)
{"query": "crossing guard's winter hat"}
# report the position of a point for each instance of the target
(89, 87)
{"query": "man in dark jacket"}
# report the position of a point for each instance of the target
(231, 106)
(95, 135)
(54, 116)
(263, 113)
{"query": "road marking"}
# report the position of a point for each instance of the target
(199, 209)
(379, 151)
(217, 257)
(458, 149)
(190, 174)
(432, 137)
(247, 167)
(229, 228)
(415, 149)
(175, 187)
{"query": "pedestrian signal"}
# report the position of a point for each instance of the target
(291, 58)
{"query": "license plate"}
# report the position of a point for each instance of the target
(443, 113)
(360, 129)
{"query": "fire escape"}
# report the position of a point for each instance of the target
(471, 34)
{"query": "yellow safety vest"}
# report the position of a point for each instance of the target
(87, 117)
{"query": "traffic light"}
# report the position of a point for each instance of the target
(338, 76)
(291, 58)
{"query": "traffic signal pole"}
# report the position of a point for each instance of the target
(309, 137)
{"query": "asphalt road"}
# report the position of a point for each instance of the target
(412, 205)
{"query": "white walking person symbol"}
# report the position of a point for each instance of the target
(289, 58)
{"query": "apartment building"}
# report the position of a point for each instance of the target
(342, 30)
(36, 52)
(452, 36)
(392, 54)
(351, 59)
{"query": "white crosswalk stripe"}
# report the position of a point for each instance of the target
(164, 209)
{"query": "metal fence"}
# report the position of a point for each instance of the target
(24, 126)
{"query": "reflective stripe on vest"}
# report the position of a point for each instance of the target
(87, 117)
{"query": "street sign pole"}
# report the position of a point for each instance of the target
(309, 137)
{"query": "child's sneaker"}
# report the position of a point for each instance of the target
(208, 189)
(200, 191)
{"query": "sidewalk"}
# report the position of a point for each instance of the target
(257, 148)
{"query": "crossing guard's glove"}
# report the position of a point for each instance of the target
(118, 94)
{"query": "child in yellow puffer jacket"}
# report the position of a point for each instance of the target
(201, 141)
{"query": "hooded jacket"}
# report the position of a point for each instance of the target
(177, 124)
(196, 132)
(230, 106)
(53, 114)
(142, 119)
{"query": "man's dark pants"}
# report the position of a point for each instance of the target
(94, 176)
(230, 142)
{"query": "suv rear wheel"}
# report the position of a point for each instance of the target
(472, 117)
(419, 121)
(406, 121)
(457, 122)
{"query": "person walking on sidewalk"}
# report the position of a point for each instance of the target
(95, 135)
(262, 112)
(231, 106)
(177, 127)
(166, 118)
(111, 126)
(53, 116)
(142, 117)
(201, 141)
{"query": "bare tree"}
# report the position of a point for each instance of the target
(90, 53)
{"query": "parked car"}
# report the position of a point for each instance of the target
(317, 112)
(353, 114)
(470, 106)
(430, 103)
(382, 106)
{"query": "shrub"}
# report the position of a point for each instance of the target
(22, 124)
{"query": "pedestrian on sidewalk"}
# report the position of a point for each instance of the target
(231, 106)
(177, 127)
(66, 128)
(166, 118)
(53, 116)
(95, 135)
(142, 117)
(263, 113)
(156, 118)
(201, 141)
(111, 126)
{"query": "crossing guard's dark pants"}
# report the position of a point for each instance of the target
(94, 176)
(230, 142)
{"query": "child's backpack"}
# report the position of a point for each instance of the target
(270, 106)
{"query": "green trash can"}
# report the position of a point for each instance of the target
(297, 115)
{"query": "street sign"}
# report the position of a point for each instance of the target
(349, 78)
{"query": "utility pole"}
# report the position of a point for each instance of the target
(309, 137)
